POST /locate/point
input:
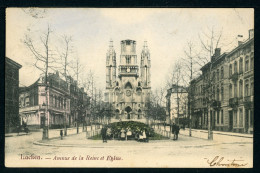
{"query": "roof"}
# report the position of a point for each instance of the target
(12, 62)
(241, 46)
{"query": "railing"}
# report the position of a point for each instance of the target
(234, 76)
(248, 101)
(233, 102)
(216, 104)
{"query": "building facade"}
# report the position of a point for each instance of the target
(241, 86)
(176, 104)
(128, 92)
(11, 95)
(64, 103)
(227, 95)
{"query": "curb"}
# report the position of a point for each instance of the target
(118, 146)
(13, 135)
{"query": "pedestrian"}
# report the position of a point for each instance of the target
(177, 129)
(104, 134)
(141, 136)
(174, 131)
(61, 134)
(147, 133)
(123, 135)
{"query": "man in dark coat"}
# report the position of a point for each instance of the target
(104, 134)
(174, 131)
(177, 130)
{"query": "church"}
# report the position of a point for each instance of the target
(128, 86)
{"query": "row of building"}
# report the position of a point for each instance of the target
(64, 104)
(223, 94)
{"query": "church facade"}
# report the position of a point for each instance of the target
(128, 85)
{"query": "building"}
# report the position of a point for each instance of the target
(225, 90)
(64, 103)
(197, 103)
(176, 104)
(128, 93)
(11, 95)
(241, 86)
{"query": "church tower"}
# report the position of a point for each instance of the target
(145, 66)
(127, 94)
(111, 67)
(128, 59)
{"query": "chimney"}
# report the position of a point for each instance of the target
(217, 52)
(251, 33)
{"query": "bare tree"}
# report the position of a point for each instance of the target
(191, 65)
(64, 54)
(209, 42)
(44, 59)
(36, 13)
(176, 80)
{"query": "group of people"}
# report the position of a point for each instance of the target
(175, 131)
(125, 134)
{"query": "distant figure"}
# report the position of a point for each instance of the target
(144, 136)
(140, 139)
(177, 131)
(61, 134)
(123, 135)
(104, 134)
(174, 131)
(147, 135)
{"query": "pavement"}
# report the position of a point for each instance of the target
(81, 141)
(186, 152)
(16, 134)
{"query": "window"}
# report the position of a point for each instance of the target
(218, 75)
(222, 73)
(240, 65)
(230, 91)
(128, 59)
(222, 93)
(213, 93)
(235, 118)
(217, 117)
(247, 64)
(240, 117)
(235, 89)
(235, 67)
(252, 62)
(222, 117)
(252, 87)
(217, 94)
(246, 88)
(240, 88)
(230, 69)
(251, 117)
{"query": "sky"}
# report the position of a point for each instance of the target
(166, 30)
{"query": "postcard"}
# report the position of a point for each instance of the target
(129, 87)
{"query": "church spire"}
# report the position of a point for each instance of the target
(111, 43)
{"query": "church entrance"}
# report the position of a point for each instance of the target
(128, 110)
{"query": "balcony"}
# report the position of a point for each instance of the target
(233, 102)
(234, 77)
(216, 104)
(248, 101)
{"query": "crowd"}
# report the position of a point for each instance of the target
(125, 134)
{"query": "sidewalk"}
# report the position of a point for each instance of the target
(219, 135)
(80, 140)
(16, 134)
